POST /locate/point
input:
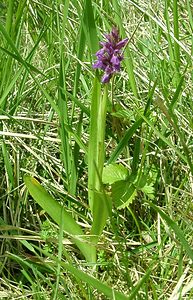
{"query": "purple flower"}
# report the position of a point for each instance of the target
(109, 57)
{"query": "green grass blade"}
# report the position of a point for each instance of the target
(164, 139)
(170, 44)
(124, 141)
(9, 87)
(10, 41)
(8, 165)
(136, 289)
(83, 108)
(176, 94)
(129, 59)
(101, 287)
(12, 45)
(64, 118)
(85, 277)
(80, 54)
(18, 58)
(129, 132)
(19, 15)
(60, 248)
(161, 25)
(174, 123)
(176, 34)
(9, 18)
(90, 27)
(179, 233)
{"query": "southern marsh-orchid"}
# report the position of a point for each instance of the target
(109, 57)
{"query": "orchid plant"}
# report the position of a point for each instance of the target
(109, 58)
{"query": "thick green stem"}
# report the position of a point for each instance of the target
(96, 157)
(96, 149)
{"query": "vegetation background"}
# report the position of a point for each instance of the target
(142, 249)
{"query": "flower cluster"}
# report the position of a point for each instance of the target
(110, 56)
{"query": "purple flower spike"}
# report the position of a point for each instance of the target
(109, 57)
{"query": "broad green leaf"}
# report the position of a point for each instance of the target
(113, 173)
(123, 193)
(101, 211)
(54, 209)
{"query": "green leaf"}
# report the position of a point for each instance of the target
(123, 193)
(101, 211)
(148, 190)
(54, 209)
(9, 41)
(113, 173)
(124, 114)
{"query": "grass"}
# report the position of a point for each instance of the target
(95, 202)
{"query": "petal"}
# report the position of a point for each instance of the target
(115, 34)
(122, 43)
(108, 37)
(106, 78)
(100, 52)
(109, 57)
(117, 68)
(103, 44)
(115, 60)
(98, 65)
(109, 69)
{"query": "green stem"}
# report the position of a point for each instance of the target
(112, 93)
(96, 157)
(96, 148)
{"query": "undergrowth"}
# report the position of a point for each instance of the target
(136, 213)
